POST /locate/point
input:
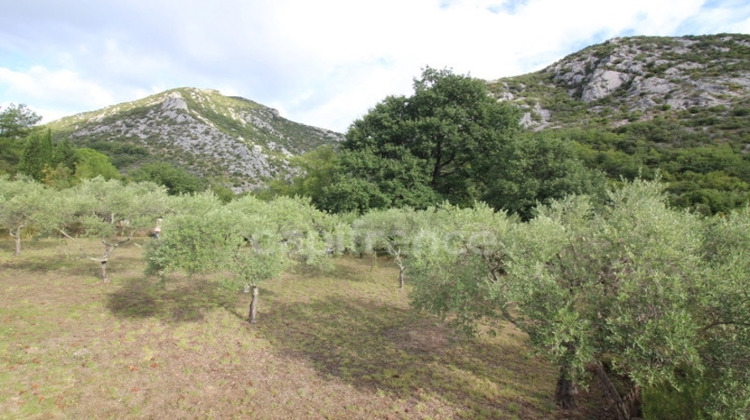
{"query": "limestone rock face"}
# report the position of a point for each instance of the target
(625, 76)
(211, 135)
(603, 82)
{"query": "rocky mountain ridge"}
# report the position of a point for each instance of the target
(225, 138)
(631, 79)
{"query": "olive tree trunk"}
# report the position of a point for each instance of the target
(17, 239)
(565, 391)
(625, 407)
(401, 269)
(253, 305)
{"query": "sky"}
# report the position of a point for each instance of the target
(320, 62)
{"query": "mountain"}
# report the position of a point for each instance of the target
(673, 107)
(227, 139)
(634, 106)
(702, 83)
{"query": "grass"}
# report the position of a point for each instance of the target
(341, 343)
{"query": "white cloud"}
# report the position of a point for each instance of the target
(53, 93)
(324, 62)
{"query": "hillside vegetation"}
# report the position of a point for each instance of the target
(638, 105)
(676, 108)
(230, 139)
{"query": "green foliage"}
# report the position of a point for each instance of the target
(11, 150)
(92, 164)
(253, 239)
(194, 239)
(53, 164)
(176, 179)
(114, 209)
(537, 169)
(417, 151)
(317, 169)
(17, 120)
(708, 178)
(365, 181)
(391, 231)
(448, 263)
(37, 155)
(634, 287)
(24, 205)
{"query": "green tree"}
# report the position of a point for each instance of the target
(416, 151)
(24, 204)
(113, 212)
(316, 171)
(37, 156)
(17, 120)
(11, 150)
(628, 293)
(176, 179)
(254, 240)
(92, 164)
(391, 231)
(367, 181)
(536, 169)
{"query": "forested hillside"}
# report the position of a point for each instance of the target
(638, 105)
(673, 108)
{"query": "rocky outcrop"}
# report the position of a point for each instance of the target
(625, 76)
(209, 134)
(648, 72)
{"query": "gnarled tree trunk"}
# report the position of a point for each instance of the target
(626, 407)
(253, 305)
(565, 391)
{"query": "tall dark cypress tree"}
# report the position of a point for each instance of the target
(37, 155)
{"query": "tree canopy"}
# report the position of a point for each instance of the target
(644, 297)
(419, 150)
(176, 179)
(17, 120)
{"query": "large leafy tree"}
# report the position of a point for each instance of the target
(176, 179)
(537, 169)
(17, 120)
(416, 151)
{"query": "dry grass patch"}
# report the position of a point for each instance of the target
(340, 343)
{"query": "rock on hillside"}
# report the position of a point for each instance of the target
(634, 78)
(229, 139)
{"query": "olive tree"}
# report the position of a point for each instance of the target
(252, 240)
(723, 377)
(23, 204)
(113, 212)
(391, 231)
(619, 293)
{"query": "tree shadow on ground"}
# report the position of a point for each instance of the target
(185, 301)
(386, 348)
